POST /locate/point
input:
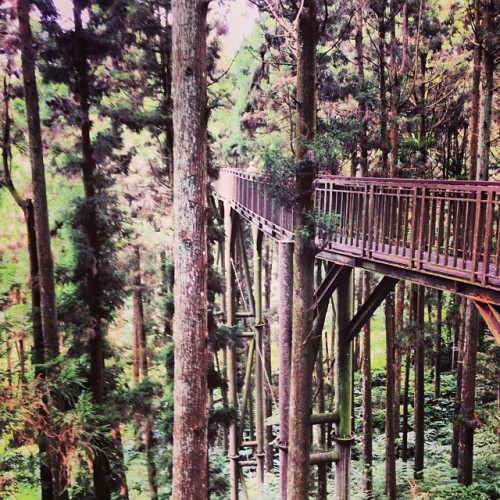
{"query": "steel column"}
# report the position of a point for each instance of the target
(343, 389)
(229, 220)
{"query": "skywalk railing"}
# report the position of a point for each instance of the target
(447, 228)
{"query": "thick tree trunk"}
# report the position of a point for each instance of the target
(38, 352)
(190, 250)
(303, 280)
(48, 314)
(466, 415)
(285, 283)
(267, 353)
(486, 96)
(38, 356)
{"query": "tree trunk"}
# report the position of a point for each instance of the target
(140, 362)
(419, 403)
(466, 417)
(398, 352)
(476, 92)
(423, 111)
(94, 293)
(458, 393)
(285, 283)
(303, 280)
(437, 360)
(390, 438)
(190, 250)
(267, 353)
(406, 396)
(362, 136)
(38, 354)
(366, 374)
(382, 30)
(486, 96)
(48, 314)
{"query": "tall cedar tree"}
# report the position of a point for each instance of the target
(43, 245)
(303, 279)
(38, 357)
(189, 56)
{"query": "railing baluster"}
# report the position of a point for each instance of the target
(487, 238)
(456, 225)
(476, 238)
(414, 227)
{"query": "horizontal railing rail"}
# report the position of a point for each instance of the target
(447, 228)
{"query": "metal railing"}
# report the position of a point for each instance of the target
(448, 228)
(249, 195)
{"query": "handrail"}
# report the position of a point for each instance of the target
(444, 228)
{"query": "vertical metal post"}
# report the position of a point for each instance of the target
(231, 354)
(285, 284)
(343, 392)
(259, 379)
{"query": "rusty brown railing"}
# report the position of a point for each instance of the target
(247, 193)
(447, 228)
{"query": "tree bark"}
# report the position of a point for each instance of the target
(406, 394)
(48, 314)
(382, 30)
(476, 92)
(267, 353)
(190, 250)
(466, 417)
(398, 352)
(285, 282)
(486, 96)
(362, 136)
(390, 438)
(419, 403)
(303, 280)
(105, 480)
(437, 360)
(366, 371)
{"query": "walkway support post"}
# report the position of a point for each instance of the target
(285, 284)
(231, 353)
(343, 390)
(259, 361)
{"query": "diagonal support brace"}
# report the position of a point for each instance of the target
(385, 286)
(491, 315)
(335, 275)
